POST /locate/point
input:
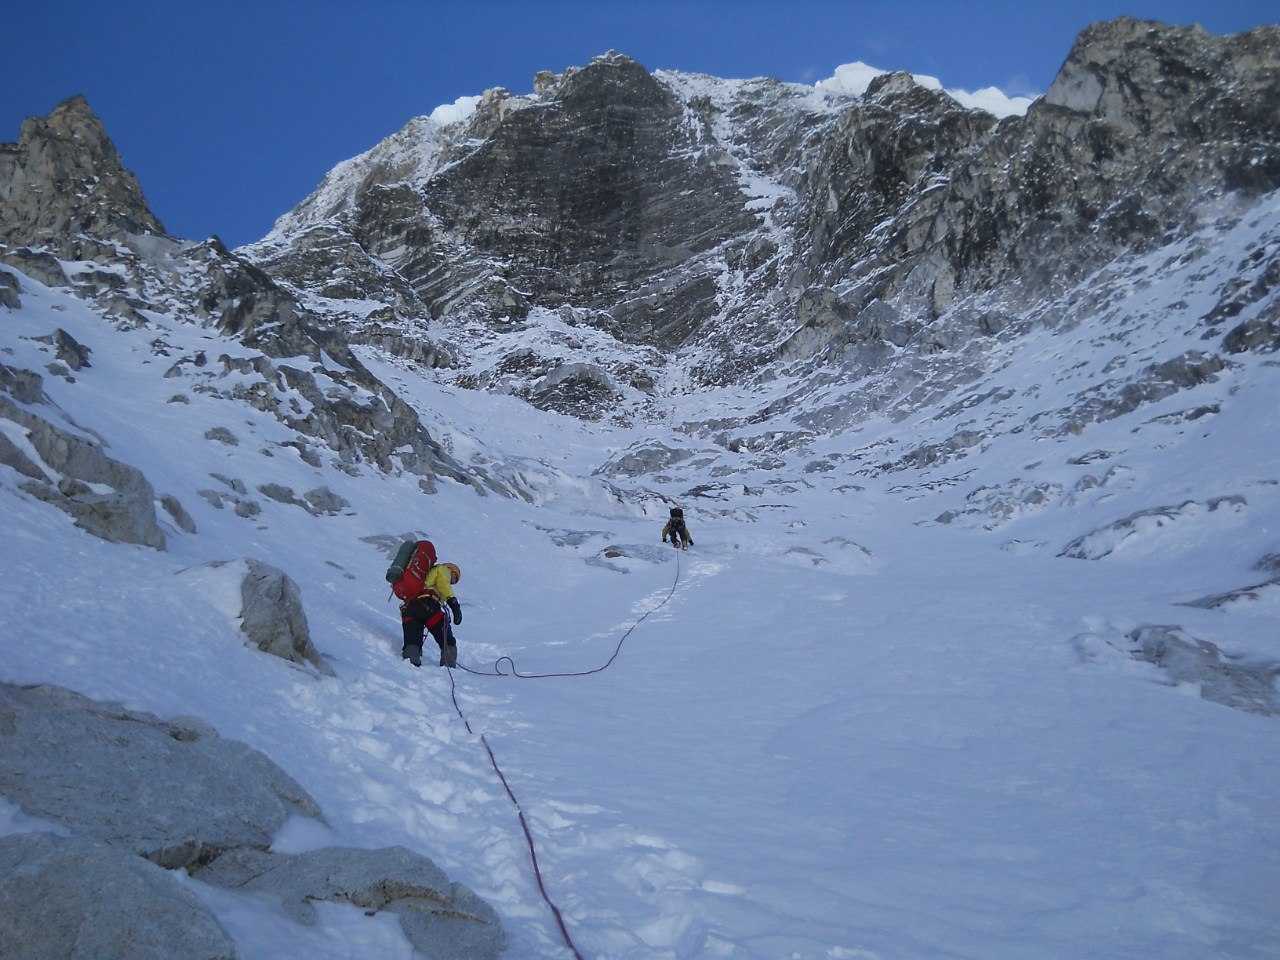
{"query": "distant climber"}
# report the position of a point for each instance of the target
(427, 612)
(676, 530)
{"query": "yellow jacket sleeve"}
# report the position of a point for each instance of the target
(438, 583)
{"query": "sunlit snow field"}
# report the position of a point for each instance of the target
(841, 730)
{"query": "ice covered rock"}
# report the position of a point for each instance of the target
(1223, 679)
(1259, 334)
(993, 506)
(1145, 524)
(1112, 399)
(581, 389)
(643, 457)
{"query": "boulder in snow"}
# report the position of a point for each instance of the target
(172, 791)
(1221, 678)
(272, 615)
(63, 897)
(173, 506)
(9, 290)
(67, 349)
(441, 919)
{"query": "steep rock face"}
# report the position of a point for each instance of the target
(747, 222)
(648, 206)
(1143, 124)
(900, 143)
(64, 179)
(597, 192)
(1149, 135)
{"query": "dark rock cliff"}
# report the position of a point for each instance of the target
(739, 222)
(1142, 125)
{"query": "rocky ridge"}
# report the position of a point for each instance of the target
(75, 218)
(64, 185)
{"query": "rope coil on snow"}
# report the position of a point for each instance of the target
(497, 670)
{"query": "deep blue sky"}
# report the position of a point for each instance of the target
(231, 111)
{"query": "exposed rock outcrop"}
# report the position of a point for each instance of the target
(1143, 123)
(132, 786)
(64, 898)
(441, 919)
(67, 349)
(173, 792)
(1230, 681)
(1145, 525)
(272, 617)
(10, 291)
(64, 181)
(107, 498)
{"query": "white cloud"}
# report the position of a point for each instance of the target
(850, 78)
(992, 100)
(853, 79)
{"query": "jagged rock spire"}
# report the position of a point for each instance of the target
(63, 179)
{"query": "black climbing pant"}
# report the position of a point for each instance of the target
(423, 615)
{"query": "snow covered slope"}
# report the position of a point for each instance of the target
(904, 697)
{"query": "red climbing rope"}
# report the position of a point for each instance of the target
(497, 670)
(524, 824)
(493, 760)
